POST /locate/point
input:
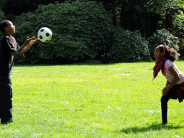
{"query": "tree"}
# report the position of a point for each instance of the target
(2, 17)
(114, 7)
(144, 15)
(2, 3)
(81, 30)
(147, 15)
(14, 8)
(128, 46)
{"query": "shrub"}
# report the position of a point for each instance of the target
(80, 30)
(128, 46)
(2, 17)
(160, 37)
(180, 34)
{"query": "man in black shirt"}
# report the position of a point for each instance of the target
(8, 49)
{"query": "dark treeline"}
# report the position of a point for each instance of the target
(144, 15)
(140, 23)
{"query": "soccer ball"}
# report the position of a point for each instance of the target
(44, 34)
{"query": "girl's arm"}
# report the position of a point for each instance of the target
(19, 51)
(167, 83)
(25, 47)
(176, 77)
(171, 84)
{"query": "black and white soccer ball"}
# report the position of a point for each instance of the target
(44, 34)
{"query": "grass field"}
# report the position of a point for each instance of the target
(91, 100)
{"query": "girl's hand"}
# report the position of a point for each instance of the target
(28, 39)
(31, 41)
(165, 90)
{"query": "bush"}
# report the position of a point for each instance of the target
(160, 37)
(2, 17)
(128, 46)
(80, 30)
(180, 34)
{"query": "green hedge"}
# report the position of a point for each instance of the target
(128, 46)
(160, 37)
(2, 17)
(80, 31)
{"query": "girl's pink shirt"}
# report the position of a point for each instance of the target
(169, 76)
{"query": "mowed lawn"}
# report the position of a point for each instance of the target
(91, 100)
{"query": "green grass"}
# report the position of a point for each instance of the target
(91, 100)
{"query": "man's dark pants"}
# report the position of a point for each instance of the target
(6, 101)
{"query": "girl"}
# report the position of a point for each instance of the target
(8, 49)
(174, 88)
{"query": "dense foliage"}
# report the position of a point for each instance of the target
(144, 15)
(2, 17)
(14, 8)
(80, 30)
(162, 37)
(129, 46)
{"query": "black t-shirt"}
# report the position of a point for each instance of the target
(6, 59)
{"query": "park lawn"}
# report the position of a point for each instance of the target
(91, 100)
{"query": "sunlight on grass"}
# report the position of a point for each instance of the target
(91, 100)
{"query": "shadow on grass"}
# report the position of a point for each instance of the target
(153, 127)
